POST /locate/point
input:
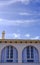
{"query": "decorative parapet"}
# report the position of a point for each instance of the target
(18, 41)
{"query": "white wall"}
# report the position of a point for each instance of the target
(20, 47)
(19, 63)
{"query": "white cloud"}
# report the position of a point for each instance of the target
(10, 22)
(25, 13)
(27, 35)
(5, 22)
(8, 2)
(37, 37)
(19, 36)
(15, 35)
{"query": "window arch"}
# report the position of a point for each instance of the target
(30, 54)
(9, 54)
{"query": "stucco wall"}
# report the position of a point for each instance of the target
(19, 63)
(20, 47)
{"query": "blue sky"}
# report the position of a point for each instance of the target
(20, 19)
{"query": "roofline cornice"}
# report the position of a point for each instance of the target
(19, 41)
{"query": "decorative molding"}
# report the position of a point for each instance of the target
(18, 41)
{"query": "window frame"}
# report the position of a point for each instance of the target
(30, 59)
(9, 59)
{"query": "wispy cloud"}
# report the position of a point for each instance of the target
(8, 2)
(18, 22)
(26, 13)
(13, 35)
(22, 13)
(21, 36)
(27, 35)
(24, 1)
(37, 37)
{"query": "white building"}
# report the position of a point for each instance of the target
(19, 52)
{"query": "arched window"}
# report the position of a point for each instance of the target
(9, 54)
(30, 54)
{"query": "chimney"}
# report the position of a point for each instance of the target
(3, 35)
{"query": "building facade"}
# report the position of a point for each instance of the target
(17, 51)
